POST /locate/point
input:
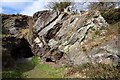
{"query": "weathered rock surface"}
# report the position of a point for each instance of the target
(16, 25)
(15, 29)
(64, 35)
(107, 53)
(61, 38)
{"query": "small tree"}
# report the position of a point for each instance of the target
(59, 5)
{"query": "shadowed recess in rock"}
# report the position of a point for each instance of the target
(22, 50)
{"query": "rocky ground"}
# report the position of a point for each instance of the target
(62, 39)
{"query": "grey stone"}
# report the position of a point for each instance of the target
(53, 44)
(13, 30)
(47, 28)
(69, 39)
(107, 53)
(44, 19)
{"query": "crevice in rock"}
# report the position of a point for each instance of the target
(52, 32)
(20, 23)
(49, 60)
(65, 16)
(48, 23)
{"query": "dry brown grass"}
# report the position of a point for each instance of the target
(24, 32)
(111, 33)
(93, 71)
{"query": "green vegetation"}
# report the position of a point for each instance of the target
(45, 71)
(58, 5)
(34, 69)
(12, 74)
(102, 6)
(111, 15)
(35, 60)
(97, 32)
(107, 9)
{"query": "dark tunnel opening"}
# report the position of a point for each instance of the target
(22, 50)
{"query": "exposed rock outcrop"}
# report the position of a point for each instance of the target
(15, 29)
(16, 25)
(62, 38)
(65, 36)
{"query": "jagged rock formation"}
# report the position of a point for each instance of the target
(14, 24)
(62, 38)
(55, 36)
(15, 29)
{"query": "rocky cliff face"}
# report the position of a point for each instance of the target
(73, 39)
(14, 24)
(64, 38)
(15, 29)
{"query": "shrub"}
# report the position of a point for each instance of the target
(59, 5)
(111, 15)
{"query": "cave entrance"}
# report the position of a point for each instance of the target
(22, 50)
